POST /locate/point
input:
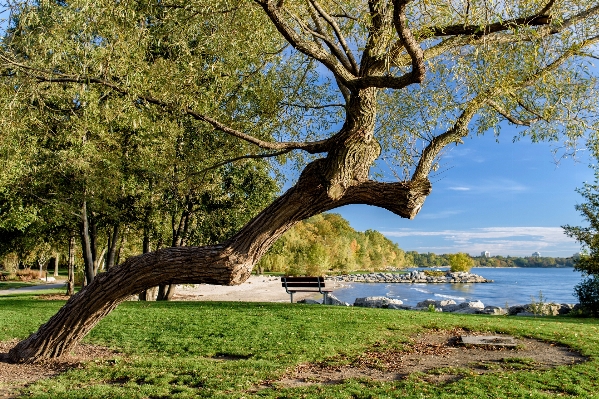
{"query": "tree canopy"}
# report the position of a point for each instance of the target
(338, 87)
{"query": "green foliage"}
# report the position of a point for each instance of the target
(460, 262)
(587, 293)
(327, 243)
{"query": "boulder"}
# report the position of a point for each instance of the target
(565, 308)
(376, 302)
(514, 310)
(334, 301)
(467, 311)
(309, 301)
(472, 304)
(437, 304)
(493, 310)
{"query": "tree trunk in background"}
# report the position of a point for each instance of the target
(112, 247)
(71, 267)
(56, 263)
(229, 263)
(149, 294)
(86, 246)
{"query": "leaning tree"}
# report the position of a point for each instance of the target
(358, 83)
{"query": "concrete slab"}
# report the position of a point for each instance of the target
(500, 341)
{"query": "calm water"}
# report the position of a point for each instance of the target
(514, 286)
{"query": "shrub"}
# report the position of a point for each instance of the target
(588, 295)
(28, 274)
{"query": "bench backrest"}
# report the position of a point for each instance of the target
(302, 282)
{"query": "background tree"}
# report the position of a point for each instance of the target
(460, 262)
(588, 236)
(400, 80)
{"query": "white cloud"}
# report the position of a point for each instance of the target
(496, 187)
(497, 240)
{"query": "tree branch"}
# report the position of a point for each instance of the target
(407, 39)
(310, 147)
(338, 33)
(306, 107)
(309, 48)
(497, 107)
(460, 128)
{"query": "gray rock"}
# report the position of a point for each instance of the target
(493, 310)
(472, 304)
(566, 308)
(438, 304)
(514, 310)
(309, 301)
(467, 311)
(376, 302)
(333, 300)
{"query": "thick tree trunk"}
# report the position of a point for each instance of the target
(337, 180)
(229, 263)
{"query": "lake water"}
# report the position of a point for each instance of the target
(513, 286)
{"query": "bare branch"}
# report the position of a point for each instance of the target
(320, 33)
(240, 158)
(305, 106)
(497, 107)
(338, 33)
(310, 48)
(478, 30)
(412, 47)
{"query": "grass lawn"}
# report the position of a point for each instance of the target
(229, 350)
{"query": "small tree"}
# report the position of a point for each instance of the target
(587, 291)
(460, 262)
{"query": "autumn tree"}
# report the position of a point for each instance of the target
(460, 262)
(352, 82)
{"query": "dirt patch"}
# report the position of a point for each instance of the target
(440, 355)
(16, 376)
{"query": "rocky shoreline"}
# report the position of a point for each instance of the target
(450, 306)
(414, 277)
(431, 305)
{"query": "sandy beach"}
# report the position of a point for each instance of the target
(255, 289)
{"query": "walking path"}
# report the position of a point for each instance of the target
(31, 289)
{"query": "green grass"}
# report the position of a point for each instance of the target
(226, 350)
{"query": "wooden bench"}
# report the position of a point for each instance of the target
(305, 284)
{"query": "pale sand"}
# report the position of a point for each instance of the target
(255, 289)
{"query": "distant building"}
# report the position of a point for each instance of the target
(485, 254)
(536, 254)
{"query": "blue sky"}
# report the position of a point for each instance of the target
(506, 198)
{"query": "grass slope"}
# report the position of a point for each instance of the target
(224, 350)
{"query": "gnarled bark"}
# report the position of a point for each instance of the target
(229, 263)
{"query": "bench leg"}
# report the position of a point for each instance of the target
(325, 295)
(291, 293)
